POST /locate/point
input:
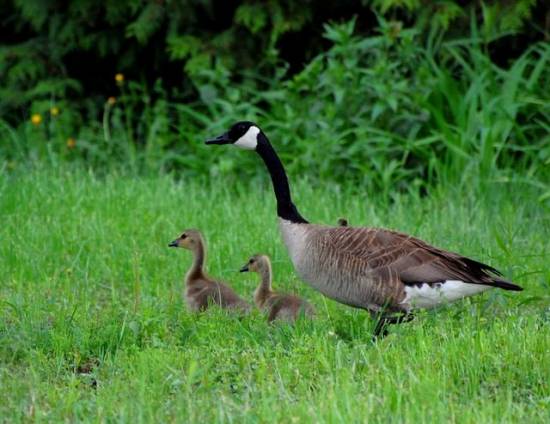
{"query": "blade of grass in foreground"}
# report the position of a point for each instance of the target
(92, 324)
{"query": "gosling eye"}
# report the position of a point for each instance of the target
(251, 261)
(183, 236)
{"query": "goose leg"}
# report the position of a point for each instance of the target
(381, 329)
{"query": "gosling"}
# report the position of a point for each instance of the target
(201, 290)
(278, 306)
(343, 222)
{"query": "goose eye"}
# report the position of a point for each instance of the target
(183, 236)
(251, 261)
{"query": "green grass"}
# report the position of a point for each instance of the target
(87, 277)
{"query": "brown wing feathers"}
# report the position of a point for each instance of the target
(414, 261)
(454, 266)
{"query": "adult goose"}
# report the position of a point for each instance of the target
(382, 271)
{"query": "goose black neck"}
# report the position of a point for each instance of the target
(285, 208)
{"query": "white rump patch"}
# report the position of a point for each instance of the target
(249, 140)
(432, 295)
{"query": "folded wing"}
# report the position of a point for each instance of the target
(411, 259)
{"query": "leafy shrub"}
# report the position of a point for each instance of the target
(70, 50)
(384, 111)
(399, 110)
(387, 111)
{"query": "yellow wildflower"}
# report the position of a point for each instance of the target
(119, 78)
(36, 119)
(395, 29)
(111, 101)
(54, 111)
(71, 143)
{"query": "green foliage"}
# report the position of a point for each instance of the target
(390, 114)
(46, 41)
(403, 109)
(116, 33)
(497, 17)
(93, 327)
(385, 111)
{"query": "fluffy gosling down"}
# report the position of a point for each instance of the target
(201, 290)
(278, 306)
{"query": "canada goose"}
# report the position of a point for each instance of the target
(201, 291)
(342, 222)
(277, 305)
(379, 270)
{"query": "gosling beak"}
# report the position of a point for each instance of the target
(173, 244)
(221, 139)
(244, 268)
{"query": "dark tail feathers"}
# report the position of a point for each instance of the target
(495, 281)
(503, 284)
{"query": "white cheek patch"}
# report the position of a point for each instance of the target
(249, 140)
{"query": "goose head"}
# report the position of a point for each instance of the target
(189, 240)
(243, 134)
(247, 135)
(255, 264)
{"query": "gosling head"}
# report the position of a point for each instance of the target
(343, 222)
(188, 240)
(255, 264)
(245, 134)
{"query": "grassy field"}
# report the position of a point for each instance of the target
(93, 326)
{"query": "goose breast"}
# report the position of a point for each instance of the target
(321, 258)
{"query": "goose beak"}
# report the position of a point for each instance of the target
(244, 268)
(173, 244)
(221, 139)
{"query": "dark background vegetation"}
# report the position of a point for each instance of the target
(391, 93)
